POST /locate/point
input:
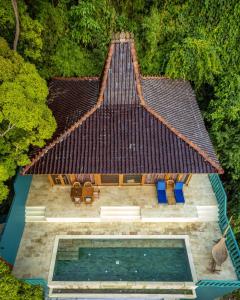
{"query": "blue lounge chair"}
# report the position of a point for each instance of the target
(178, 192)
(161, 192)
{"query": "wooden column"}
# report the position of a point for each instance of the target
(143, 179)
(72, 178)
(51, 180)
(188, 179)
(120, 179)
(61, 179)
(97, 179)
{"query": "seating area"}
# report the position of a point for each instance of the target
(170, 192)
(86, 193)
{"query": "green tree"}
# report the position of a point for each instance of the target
(14, 289)
(68, 53)
(194, 59)
(30, 38)
(25, 119)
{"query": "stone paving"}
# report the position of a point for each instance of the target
(34, 255)
(198, 193)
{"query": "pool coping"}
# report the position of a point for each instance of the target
(122, 296)
(122, 284)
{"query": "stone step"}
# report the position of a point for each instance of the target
(35, 219)
(35, 213)
(120, 208)
(35, 207)
(207, 213)
(120, 218)
(120, 213)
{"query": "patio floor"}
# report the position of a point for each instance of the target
(198, 194)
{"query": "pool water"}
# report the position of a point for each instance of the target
(122, 260)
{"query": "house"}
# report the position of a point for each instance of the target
(124, 128)
(124, 133)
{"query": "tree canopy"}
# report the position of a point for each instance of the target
(25, 118)
(14, 289)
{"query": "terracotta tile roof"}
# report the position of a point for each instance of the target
(127, 124)
(69, 99)
(176, 102)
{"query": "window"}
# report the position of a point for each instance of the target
(110, 179)
(132, 179)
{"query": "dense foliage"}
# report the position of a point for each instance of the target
(14, 289)
(198, 42)
(25, 118)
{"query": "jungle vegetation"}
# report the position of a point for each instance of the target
(176, 38)
(14, 289)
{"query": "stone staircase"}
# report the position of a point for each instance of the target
(120, 213)
(35, 214)
(207, 213)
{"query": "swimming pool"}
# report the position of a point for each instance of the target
(121, 259)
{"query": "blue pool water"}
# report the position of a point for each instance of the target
(122, 260)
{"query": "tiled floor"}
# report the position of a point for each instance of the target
(58, 202)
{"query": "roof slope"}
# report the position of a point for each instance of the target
(135, 125)
(71, 99)
(175, 101)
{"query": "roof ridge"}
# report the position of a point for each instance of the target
(82, 119)
(163, 120)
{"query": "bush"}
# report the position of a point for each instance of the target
(14, 289)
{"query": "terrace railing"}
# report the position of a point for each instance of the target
(231, 242)
(36, 281)
(212, 289)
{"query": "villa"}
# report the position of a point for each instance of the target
(125, 201)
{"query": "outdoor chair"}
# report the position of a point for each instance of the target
(76, 192)
(178, 192)
(161, 192)
(88, 192)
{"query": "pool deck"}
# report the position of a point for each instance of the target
(34, 255)
(35, 251)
